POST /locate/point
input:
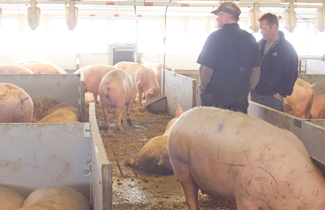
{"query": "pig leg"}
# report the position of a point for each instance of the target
(190, 188)
(95, 97)
(140, 92)
(105, 109)
(128, 111)
(119, 112)
(140, 95)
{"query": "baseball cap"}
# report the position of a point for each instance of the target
(228, 7)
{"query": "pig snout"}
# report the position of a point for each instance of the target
(153, 157)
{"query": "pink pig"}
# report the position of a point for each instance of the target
(317, 108)
(117, 89)
(93, 76)
(225, 154)
(13, 69)
(156, 67)
(56, 198)
(10, 200)
(153, 156)
(40, 67)
(300, 101)
(16, 106)
(145, 78)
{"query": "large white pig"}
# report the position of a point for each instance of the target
(13, 69)
(153, 156)
(56, 198)
(10, 200)
(16, 106)
(93, 76)
(300, 101)
(117, 89)
(61, 113)
(225, 154)
(42, 67)
(317, 108)
(156, 67)
(145, 78)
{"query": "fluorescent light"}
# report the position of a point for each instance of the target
(198, 2)
(300, 3)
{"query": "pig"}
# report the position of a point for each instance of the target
(145, 78)
(56, 198)
(153, 156)
(300, 101)
(156, 67)
(117, 89)
(93, 76)
(16, 106)
(61, 113)
(41, 67)
(225, 154)
(13, 69)
(317, 108)
(322, 112)
(10, 200)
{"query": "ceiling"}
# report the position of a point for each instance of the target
(154, 8)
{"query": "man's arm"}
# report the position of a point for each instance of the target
(205, 77)
(254, 77)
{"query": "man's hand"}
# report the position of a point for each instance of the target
(205, 77)
(277, 95)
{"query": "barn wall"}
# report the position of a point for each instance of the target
(70, 61)
(315, 67)
(73, 61)
(180, 90)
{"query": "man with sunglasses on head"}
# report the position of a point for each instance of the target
(230, 62)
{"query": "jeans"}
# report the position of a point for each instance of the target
(237, 105)
(269, 101)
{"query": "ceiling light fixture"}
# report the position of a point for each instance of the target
(197, 2)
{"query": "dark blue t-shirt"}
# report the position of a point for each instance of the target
(231, 52)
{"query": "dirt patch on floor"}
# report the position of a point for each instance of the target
(136, 189)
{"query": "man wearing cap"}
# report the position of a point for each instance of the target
(230, 62)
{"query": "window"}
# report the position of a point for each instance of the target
(95, 35)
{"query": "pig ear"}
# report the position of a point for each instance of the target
(150, 91)
(179, 111)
